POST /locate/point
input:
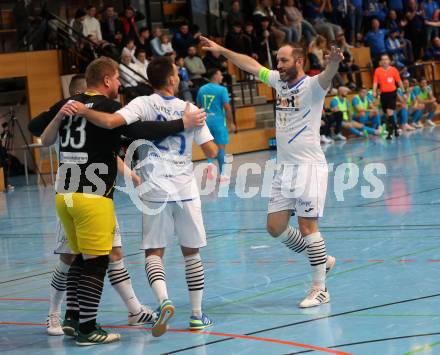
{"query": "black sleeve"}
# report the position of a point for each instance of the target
(38, 124)
(152, 130)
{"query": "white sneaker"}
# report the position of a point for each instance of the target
(54, 324)
(145, 315)
(326, 140)
(209, 173)
(224, 178)
(430, 123)
(315, 297)
(330, 263)
(339, 137)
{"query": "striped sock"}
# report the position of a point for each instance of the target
(317, 258)
(195, 279)
(75, 270)
(156, 276)
(90, 285)
(293, 239)
(58, 287)
(121, 281)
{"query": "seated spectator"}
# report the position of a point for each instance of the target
(339, 104)
(434, 51)
(407, 106)
(183, 39)
(282, 23)
(130, 48)
(431, 11)
(165, 44)
(236, 41)
(427, 98)
(396, 47)
(296, 20)
(195, 67)
(347, 66)
(128, 21)
(263, 12)
(141, 63)
(185, 84)
(375, 9)
(155, 44)
(364, 110)
(91, 26)
(77, 23)
(315, 14)
(375, 39)
(234, 16)
(134, 85)
(249, 32)
(266, 43)
(392, 21)
(111, 26)
(144, 41)
(220, 63)
(316, 51)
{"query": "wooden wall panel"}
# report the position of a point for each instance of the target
(12, 65)
(245, 117)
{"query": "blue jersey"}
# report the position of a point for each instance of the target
(212, 98)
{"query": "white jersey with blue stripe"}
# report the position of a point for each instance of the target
(166, 167)
(298, 119)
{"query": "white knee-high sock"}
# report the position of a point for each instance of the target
(156, 276)
(58, 287)
(293, 239)
(317, 257)
(195, 279)
(121, 282)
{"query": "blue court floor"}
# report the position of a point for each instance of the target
(385, 288)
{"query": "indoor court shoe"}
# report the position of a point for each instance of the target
(97, 337)
(199, 323)
(430, 123)
(330, 263)
(70, 327)
(209, 174)
(165, 314)
(315, 297)
(145, 315)
(54, 324)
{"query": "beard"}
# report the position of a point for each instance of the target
(289, 74)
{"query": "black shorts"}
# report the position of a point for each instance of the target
(388, 100)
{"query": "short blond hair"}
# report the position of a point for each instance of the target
(98, 69)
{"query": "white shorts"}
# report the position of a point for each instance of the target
(185, 222)
(63, 245)
(300, 188)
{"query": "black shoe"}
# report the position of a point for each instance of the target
(389, 137)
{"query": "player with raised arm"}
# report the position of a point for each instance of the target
(300, 182)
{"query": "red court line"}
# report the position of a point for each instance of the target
(26, 299)
(228, 335)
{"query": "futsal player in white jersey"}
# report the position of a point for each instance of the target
(169, 188)
(300, 182)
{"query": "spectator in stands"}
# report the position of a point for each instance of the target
(317, 49)
(91, 26)
(364, 110)
(195, 67)
(78, 22)
(348, 66)
(264, 12)
(414, 27)
(282, 23)
(249, 32)
(339, 104)
(375, 9)
(21, 20)
(185, 84)
(431, 11)
(315, 14)
(406, 106)
(144, 41)
(392, 21)
(128, 21)
(343, 15)
(156, 48)
(433, 52)
(134, 84)
(266, 42)
(397, 6)
(395, 47)
(220, 63)
(356, 21)
(375, 39)
(296, 20)
(130, 48)
(238, 42)
(165, 44)
(111, 26)
(427, 98)
(234, 16)
(183, 39)
(141, 63)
